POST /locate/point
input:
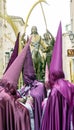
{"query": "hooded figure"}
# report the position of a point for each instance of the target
(14, 53)
(13, 116)
(33, 87)
(59, 109)
(28, 70)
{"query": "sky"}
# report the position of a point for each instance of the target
(55, 11)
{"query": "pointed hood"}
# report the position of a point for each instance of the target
(14, 53)
(56, 68)
(28, 69)
(12, 74)
(46, 73)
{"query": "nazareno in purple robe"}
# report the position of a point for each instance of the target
(38, 92)
(37, 89)
(13, 115)
(59, 112)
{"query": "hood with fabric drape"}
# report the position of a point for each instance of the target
(56, 67)
(28, 70)
(14, 53)
(10, 78)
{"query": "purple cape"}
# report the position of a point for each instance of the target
(59, 113)
(38, 93)
(13, 116)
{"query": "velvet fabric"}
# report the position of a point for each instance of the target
(14, 53)
(28, 70)
(13, 72)
(13, 115)
(38, 92)
(36, 88)
(56, 60)
(59, 112)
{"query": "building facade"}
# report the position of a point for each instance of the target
(11, 25)
(72, 14)
(9, 28)
(68, 47)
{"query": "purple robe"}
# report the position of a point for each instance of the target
(37, 91)
(59, 113)
(13, 115)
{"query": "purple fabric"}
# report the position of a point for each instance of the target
(13, 73)
(15, 52)
(56, 60)
(11, 88)
(59, 108)
(59, 112)
(55, 76)
(36, 88)
(38, 93)
(13, 116)
(28, 70)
